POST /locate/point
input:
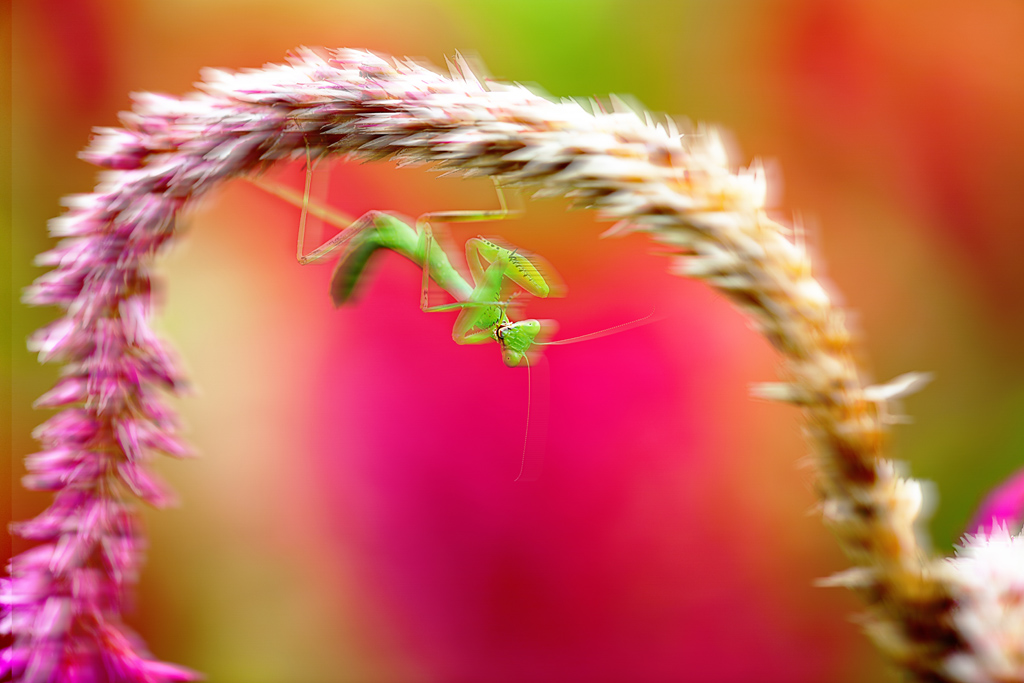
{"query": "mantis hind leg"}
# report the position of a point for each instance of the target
(359, 238)
(329, 215)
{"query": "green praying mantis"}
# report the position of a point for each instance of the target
(495, 268)
(500, 273)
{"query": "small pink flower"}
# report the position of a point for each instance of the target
(1004, 506)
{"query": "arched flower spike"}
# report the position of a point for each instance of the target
(956, 619)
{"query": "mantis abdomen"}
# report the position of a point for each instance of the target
(388, 232)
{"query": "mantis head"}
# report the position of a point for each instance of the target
(517, 339)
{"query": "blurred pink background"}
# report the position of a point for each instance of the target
(354, 514)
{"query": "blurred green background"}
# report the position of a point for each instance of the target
(353, 516)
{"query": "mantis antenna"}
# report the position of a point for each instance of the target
(532, 461)
(639, 322)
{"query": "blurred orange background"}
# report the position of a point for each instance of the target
(354, 514)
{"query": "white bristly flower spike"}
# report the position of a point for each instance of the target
(937, 619)
(988, 586)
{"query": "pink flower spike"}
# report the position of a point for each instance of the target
(70, 426)
(134, 312)
(66, 391)
(25, 590)
(1003, 506)
(128, 438)
(32, 560)
(54, 619)
(70, 553)
(162, 671)
(51, 340)
(6, 662)
(52, 521)
(115, 148)
(54, 469)
(75, 224)
(146, 485)
(151, 436)
(67, 252)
